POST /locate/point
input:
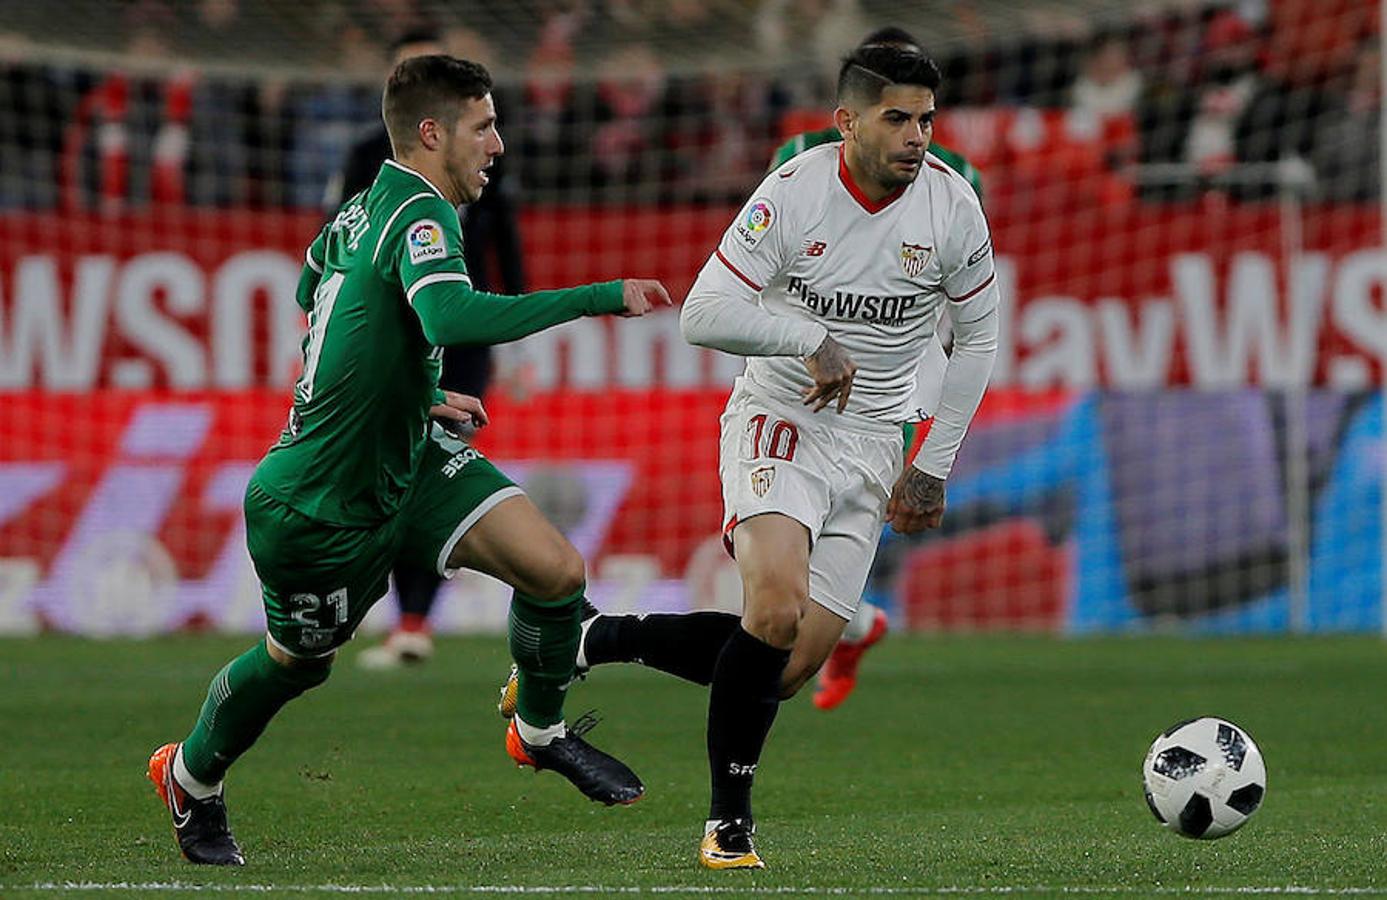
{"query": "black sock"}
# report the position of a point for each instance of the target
(417, 589)
(742, 704)
(684, 645)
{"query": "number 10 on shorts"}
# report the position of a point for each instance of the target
(777, 442)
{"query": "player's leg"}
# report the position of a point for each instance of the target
(464, 513)
(685, 645)
(466, 370)
(772, 552)
(411, 640)
(819, 631)
(838, 677)
(318, 583)
(515, 543)
(868, 625)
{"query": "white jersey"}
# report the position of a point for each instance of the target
(810, 255)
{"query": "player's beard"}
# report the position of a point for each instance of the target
(879, 169)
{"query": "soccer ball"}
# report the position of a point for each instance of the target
(1204, 778)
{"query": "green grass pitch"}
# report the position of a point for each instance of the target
(963, 766)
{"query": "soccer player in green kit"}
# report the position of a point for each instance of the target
(364, 475)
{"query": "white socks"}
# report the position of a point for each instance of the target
(860, 624)
(196, 789)
(582, 660)
(539, 737)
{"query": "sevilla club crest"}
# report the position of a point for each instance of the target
(914, 259)
(761, 480)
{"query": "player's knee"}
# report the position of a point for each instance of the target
(300, 673)
(563, 576)
(305, 663)
(776, 585)
(306, 678)
(776, 624)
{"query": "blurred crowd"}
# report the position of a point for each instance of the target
(683, 100)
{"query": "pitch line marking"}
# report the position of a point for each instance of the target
(741, 890)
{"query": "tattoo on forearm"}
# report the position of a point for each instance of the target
(923, 492)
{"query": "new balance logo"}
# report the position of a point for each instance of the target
(814, 248)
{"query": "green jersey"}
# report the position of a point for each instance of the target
(804, 140)
(385, 286)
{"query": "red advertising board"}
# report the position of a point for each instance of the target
(1125, 295)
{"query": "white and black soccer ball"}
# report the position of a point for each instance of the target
(1204, 777)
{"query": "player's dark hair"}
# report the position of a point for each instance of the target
(874, 67)
(891, 36)
(429, 87)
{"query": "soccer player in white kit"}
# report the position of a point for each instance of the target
(831, 279)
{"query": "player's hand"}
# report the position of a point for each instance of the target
(458, 412)
(832, 370)
(641, 295)
(917, 502)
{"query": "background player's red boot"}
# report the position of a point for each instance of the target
(839, 675)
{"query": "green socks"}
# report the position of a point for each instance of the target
(244, 696)
(544, 645)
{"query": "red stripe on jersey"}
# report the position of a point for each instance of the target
(867, 203)
(935, 165)
(727, 537)
(974, 290)
(736, 271)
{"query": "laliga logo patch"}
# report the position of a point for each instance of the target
(914, 258)
(760, 215)
(761, 480)
(426, 241)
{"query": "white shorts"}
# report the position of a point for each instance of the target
(831, 476)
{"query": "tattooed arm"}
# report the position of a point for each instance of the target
(917, 502)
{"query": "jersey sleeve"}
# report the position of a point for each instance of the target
(313, 263)
(722, 309)
(423, 250)
(423, 245)
(971, 286)
(754, 246)
(966, 256)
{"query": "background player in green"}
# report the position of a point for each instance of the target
(362, 478)
(838, 677)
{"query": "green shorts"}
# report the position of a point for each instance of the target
(320, 580)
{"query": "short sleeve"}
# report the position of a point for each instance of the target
(422, 246)
(754, 247)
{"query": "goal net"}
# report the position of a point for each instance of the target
(1183, 430)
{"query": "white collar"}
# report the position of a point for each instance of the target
(404, 168)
